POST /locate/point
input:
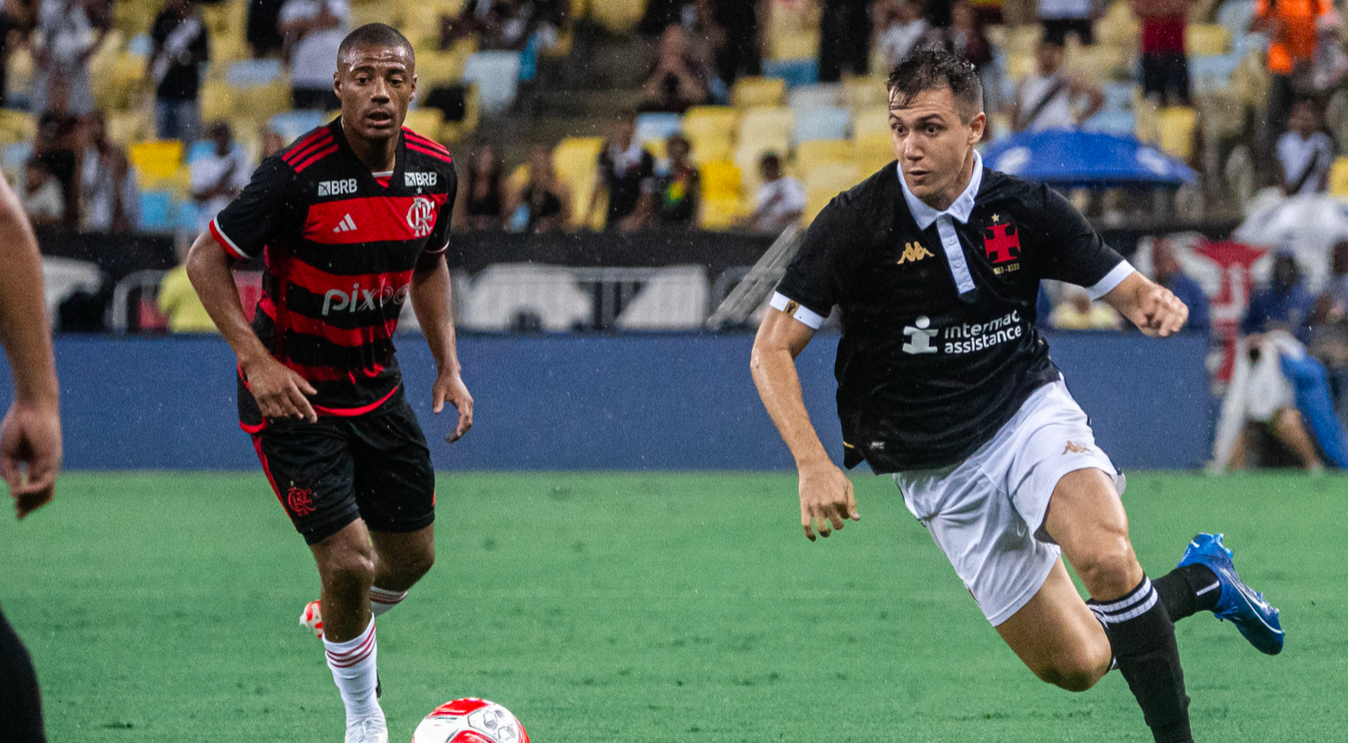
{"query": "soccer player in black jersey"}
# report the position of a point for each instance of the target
(934, 263)
(353, 221)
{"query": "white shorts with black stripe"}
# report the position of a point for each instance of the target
(987, 512)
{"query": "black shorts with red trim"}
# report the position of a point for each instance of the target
(374, 466)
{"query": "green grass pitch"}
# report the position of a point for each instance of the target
(638, 607)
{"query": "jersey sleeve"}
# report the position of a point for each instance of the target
(1074, 252)
(243, 227)
(439, 239)
(809, 290)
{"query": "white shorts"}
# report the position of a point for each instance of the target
(987, 512)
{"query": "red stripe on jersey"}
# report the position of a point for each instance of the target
(319, 155)
(318, 373)
(370, 285)
(346, 337)
(294, 153)
(385, 180)
(373, 219)
(427, 151)
(225, 242)
(424, 141)
(362, 410)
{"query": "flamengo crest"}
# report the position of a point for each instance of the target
(421, 217)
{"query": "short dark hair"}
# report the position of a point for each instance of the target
(376, 34)
(932, 69)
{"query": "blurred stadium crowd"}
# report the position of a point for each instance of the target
(136, 120)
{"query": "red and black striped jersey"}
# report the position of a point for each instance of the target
(340, 245)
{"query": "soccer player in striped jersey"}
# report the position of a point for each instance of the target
(352, 221)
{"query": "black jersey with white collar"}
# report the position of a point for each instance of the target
(939, 347)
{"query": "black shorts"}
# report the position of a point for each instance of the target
(1166, 73)
(374, 466)
(1057, 29)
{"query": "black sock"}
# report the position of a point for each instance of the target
(1188, 590)
(20, 703)
(1142, 637)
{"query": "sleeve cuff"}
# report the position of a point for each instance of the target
(1111, 280)
(800, 312)
(227, 243)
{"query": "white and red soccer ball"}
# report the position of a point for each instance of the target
(470, 721)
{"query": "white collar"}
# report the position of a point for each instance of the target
(960, 210)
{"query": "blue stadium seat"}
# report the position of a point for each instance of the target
(15, 155)
(140, 45)
(291, 124)
(1212, 73)
(529, 60)
(795, 72)
(186, 218)
(250, 72)
(1112, 122)
(658, 126)
(1235, 15)
(818, 95)
(157, 211)
(822, 123)
(497, 76)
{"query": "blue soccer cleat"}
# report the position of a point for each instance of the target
(1241, 605)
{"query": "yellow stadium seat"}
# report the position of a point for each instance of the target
(439, 68)
(217, 100)
(720, 212)
(710, 120)
(767, 122)
(156, 159)
(1207, 40)
(1177, 125)
(835, 175)
(1338, 177)
(706, 148)
(618, 16)
(576, 160)
(1023, 39)
(1119, 27)
(816, 153)
(125, 127)
(759, 91)
(17, 126)
(863, 93)
(721, 179)
(871, 121)
(873, 152)
(258, 103)
(425, 121)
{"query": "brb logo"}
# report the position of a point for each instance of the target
(421, 217)
(337, 300)
(413, 180)
(337, 188)
(919, 338)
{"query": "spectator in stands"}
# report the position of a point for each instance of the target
(1329, 327)
(678, 78)
(740, 51)
(1291, 29)
(1063, 17)
(67, 35)
(1048, 97)
(15, 19)
(965, 38)
(1165, 62)
(844, 39)
(1305, 152)
(181, 45)
(219, 176)
(263, 33)
(271, 143)
(679, 187)
(42, 197)
(313, 31)
(1284, 305)
(179, 303)
(627, 176)
(1078, 312)
(55, 147)
(780, 201)
(108, 184)
(543, 203)
(1169, 273)
(899, 29)
(481, 201)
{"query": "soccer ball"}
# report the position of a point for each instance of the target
(470, 721)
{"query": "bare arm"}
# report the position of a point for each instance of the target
(30, 436)
(1095, 98)
(279, 390)
(1151, 307)
(431, 299)
(825, 492)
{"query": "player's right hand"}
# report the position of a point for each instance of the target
(280, 392)
(30, 437)
(826, 499)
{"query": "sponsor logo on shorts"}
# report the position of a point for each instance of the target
(300, 501)
(413, 180)
(337, 188)
(1074, 448)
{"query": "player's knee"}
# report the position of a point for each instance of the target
(420, 562)
(351, 569)
(1076, 672)
(1109, 566)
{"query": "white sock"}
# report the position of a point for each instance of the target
(381, 600)
(354, 671)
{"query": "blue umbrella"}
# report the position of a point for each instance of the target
(1070, 157)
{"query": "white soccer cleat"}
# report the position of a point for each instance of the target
(312, 618)
(373, 730)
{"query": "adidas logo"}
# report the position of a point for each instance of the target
(346, 225)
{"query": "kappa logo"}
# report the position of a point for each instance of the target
(913, 252)
(415, 180)
(421, 217)
(300, 501)
(337, 188)
(346, 225)
(1074, 448)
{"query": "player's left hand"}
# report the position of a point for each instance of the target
(450, 388)
(1160, 314)
(30, 436)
